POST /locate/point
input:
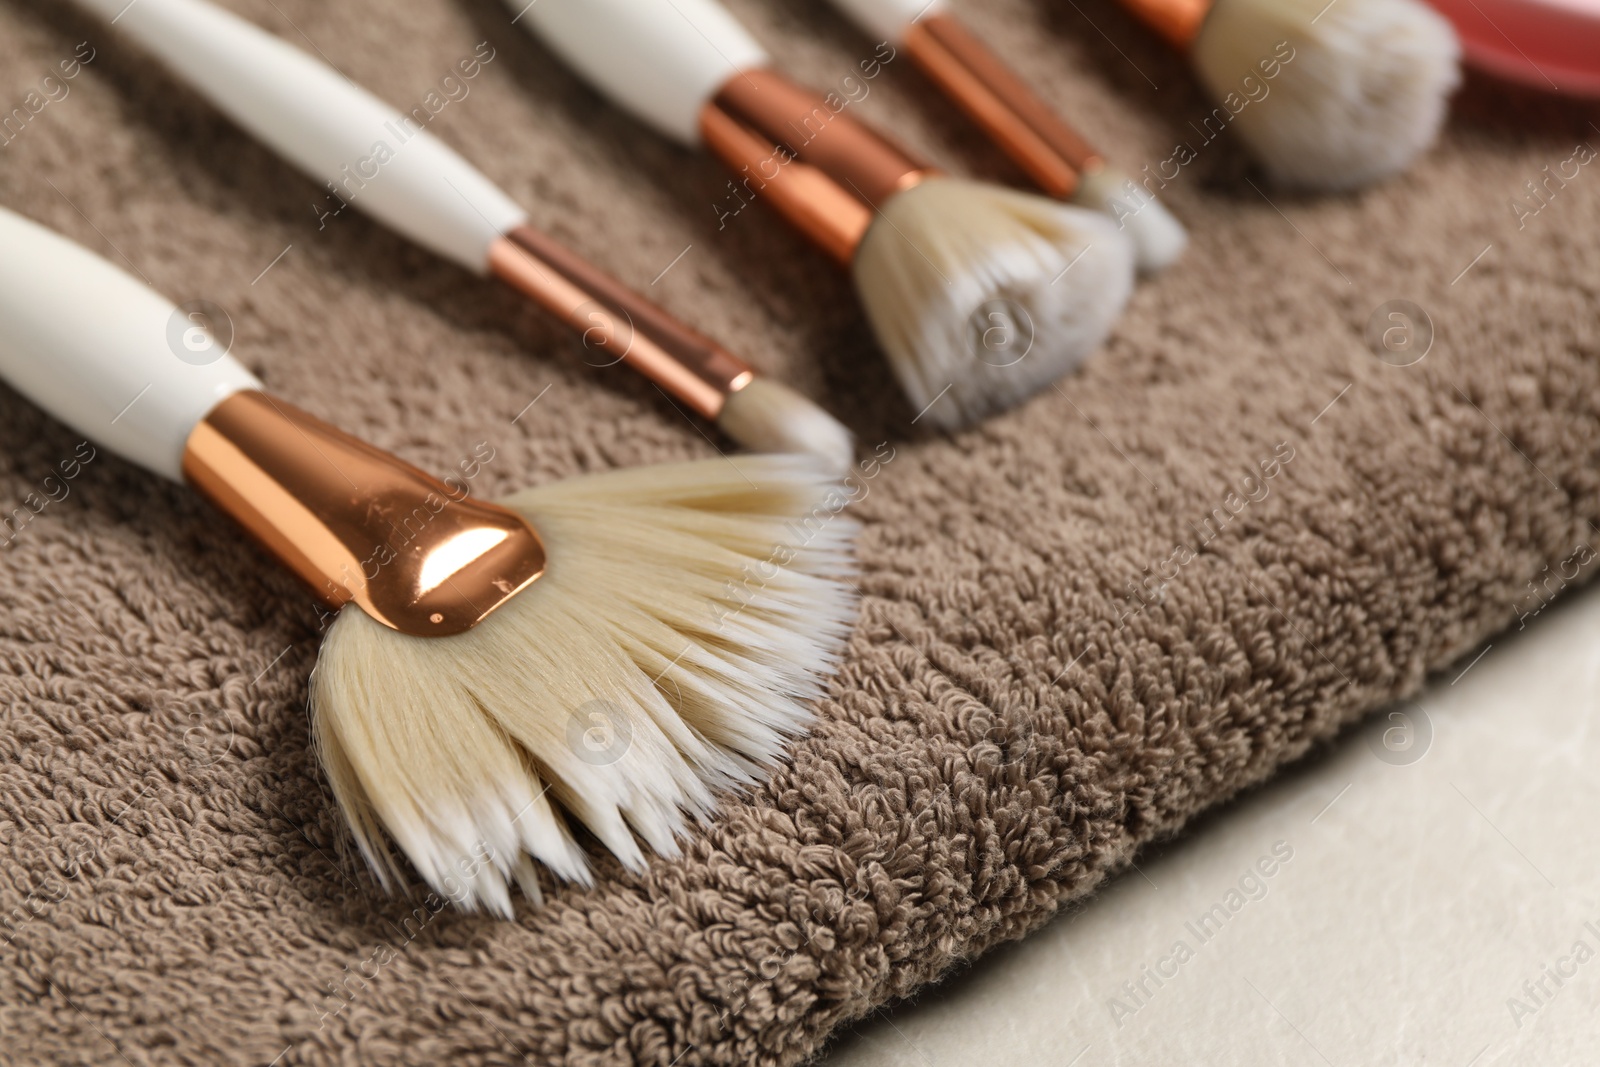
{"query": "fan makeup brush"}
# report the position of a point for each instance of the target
(319, 121)
(1056, 156)
(943, 266)
(1329, 96)
(596, 647)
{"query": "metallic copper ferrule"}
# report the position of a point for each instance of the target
(357, 524)
(617, 323)
(1177, 20)
(1052, 153)
(819, 167)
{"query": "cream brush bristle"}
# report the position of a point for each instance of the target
(981, 295)
(768, 416)
(1329, 96)
(672, 647)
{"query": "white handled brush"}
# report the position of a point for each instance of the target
(980, 296)
(616, 646)
(1058, 159)
(382, 162)
(1328, 96)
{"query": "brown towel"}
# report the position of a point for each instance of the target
(1234, 533)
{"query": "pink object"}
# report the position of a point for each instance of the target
(1548, 44)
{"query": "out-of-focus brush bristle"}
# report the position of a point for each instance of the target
(1158, 238)
(1360, 90)
(768, 416)
(982, 295)
(688, 615)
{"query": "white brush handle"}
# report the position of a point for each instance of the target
(92, 346)
(329, 128)
(662, 60)
(888, 20)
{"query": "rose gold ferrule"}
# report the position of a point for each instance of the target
(1176, 20)
(618, 324)
(357, 524)
(823, 170)
(1052, 153)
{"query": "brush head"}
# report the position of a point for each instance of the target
(768, 416)
(981, 296)
(1363, 95)
(1158, 238)
(688, 615)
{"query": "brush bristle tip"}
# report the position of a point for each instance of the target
(981, 296)
(1159, 239)
(768, 416)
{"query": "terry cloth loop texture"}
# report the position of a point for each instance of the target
(1085, 622)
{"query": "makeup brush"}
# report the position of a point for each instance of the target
(382, 162)
(1329, 96)
(1056, 156)
(615, 647)
(979, 295)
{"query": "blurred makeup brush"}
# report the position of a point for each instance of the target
(1022, 125)
(318, 120)
(943, 266)
(1354, 90)
(581, 646)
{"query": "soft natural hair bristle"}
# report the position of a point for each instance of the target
(981, 296)
(687, 616)
(1158, 238)
(1363, 96)
(768, 416)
